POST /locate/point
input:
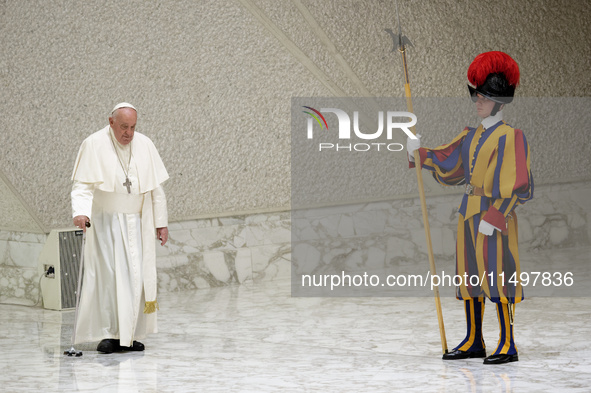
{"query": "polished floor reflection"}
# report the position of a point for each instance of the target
(257, 338)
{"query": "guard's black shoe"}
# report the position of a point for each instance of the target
(108, 345)
(500, 359)
(136, 346)
(457, 354)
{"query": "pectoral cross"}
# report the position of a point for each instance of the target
(128, 185)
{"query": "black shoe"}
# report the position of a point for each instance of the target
(500, 359)
(108, 345)
(136, 347)
(457, 354)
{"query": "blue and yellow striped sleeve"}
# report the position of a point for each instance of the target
(508, 180)
(445, 161)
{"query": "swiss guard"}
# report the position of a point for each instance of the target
(492, 161)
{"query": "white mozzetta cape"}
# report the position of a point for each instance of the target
(97, 162)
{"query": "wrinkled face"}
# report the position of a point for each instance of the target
(123, 124)
(484, 106)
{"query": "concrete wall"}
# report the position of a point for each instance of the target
(213, 82)
(249, 249)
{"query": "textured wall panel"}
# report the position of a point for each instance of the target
(213, 82)
(215, 252)
(13, 214)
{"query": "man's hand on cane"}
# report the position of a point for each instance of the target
(81, 222)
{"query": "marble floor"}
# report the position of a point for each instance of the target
(257, 338)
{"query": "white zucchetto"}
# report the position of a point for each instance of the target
(123, 105)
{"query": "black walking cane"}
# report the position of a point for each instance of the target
(72, 351)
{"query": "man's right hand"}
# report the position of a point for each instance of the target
(411, 146)
(80, 222)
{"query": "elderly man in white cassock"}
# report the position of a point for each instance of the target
(117, 184)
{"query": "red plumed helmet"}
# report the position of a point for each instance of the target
(495, 75)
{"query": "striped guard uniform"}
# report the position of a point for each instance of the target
(496, 158)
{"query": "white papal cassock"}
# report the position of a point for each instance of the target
(118, 297)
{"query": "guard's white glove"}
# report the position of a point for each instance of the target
(486, 228)
(412, 145)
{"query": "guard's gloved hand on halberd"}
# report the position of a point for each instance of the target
(412, 145)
